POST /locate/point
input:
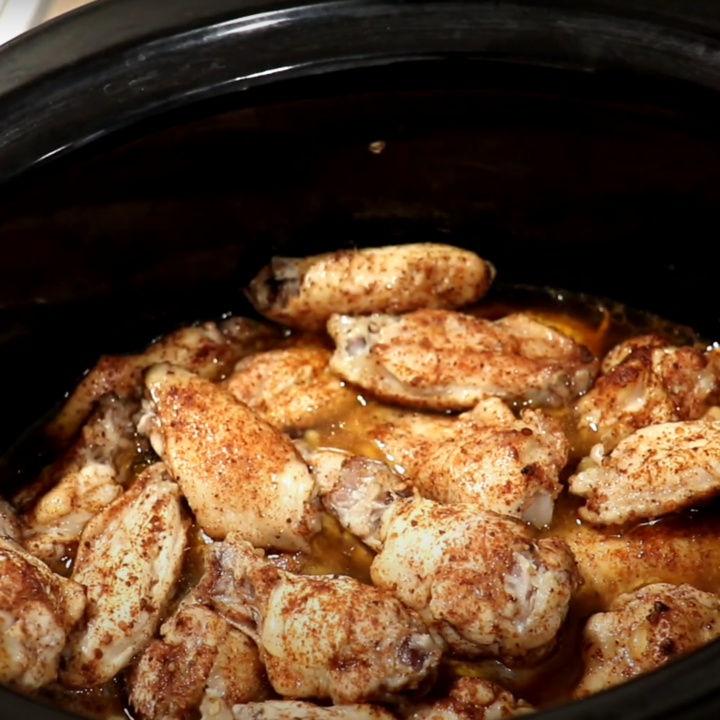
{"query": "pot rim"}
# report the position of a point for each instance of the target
(116, 62)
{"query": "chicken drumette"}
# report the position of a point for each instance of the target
(129, 560)
(320, 636)
(478, 578)
(304, 292)
(237, 471)
(443, 360)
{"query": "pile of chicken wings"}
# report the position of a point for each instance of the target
(212, 432)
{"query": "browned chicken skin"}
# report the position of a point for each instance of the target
(486, 456)
(320, 636)
(37, 611)
(443, 360)
(86, 479)
(129, 560)
(291, 388)
(672, 550)
(208, 350)
(201, 664)
(644, 630)
(455, 577)
(478, 578)
(304, 292)
(657, 470)
(646, 382)
(237, 471)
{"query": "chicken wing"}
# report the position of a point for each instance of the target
(647, 382)
(443, 360)
(644, 630)
(620, 352)
(86, 479)
(486, 456)
(291, 388)
(236, 471)
(470, 699)
(208, 350)
(655, 471)
(298, 710)
(200, 663)
(320, 636)
(477, 577)
(304, 292)
(672, 550)
(129, 560)
(37, 611)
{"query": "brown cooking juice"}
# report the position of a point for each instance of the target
(599, 325)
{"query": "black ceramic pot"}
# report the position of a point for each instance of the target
(154, 153)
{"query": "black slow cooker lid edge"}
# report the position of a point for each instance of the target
(58, 95)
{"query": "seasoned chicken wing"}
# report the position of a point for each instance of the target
(646, 382)
(208, 350)
(237, 471)
(320, 636)
(657, 470)
(298, 710)
(304, 292)
(669, 551)
(129, 560)
(443, 360)
(200, 664)
(471, 699)
(644, 630)
(37, 611)
(478, 578)
(86, 479)
(291, 388)
(620, 352)
(486, 456)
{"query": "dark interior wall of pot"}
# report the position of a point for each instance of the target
(604, 184)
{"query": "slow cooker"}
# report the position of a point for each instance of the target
(155, 153)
